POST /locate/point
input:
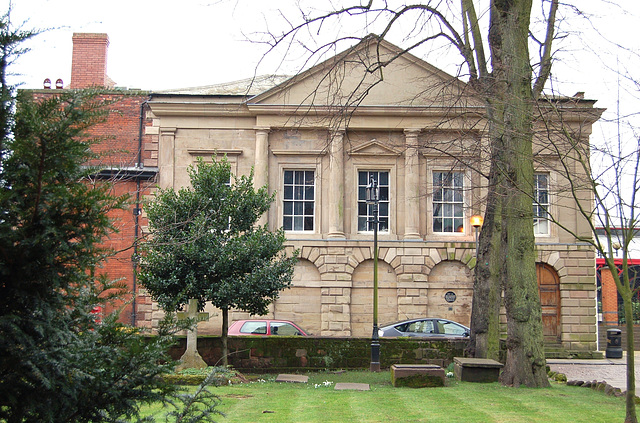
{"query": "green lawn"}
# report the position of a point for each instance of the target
(266, 401)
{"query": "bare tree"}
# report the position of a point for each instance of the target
(614, 185)
(509, 84)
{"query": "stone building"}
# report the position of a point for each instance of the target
(421, 134)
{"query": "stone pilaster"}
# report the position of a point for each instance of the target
(261, 166)
(336, 186)
(411, 185)
(166, 157)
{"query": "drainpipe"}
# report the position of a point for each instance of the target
(136, 217)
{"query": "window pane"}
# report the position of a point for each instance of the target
(362, 178)
(299, 178)
(448, 195)
(288, 177)
(448, 225)
(287, 223)
(308, 193)
(543, 197)
(447, 210)
(308, 208)
(254, 327)
(298, 208)
(437, 210)
(297, 223)
(362, 223)
(362, 209)
(288, 207)
(384, 178)
(308, 223)
(308, 177)
(384, 209)
(384, 193)
(298, 193)
(288, 193)
(459, 225)
(437, 225)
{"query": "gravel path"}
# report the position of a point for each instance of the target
(612, 371)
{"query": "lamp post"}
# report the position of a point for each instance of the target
(476, 222)
(373, 199)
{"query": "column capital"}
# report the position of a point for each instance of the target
(412, 132)
(168, 130)
(266, 129)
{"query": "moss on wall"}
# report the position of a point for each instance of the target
(253, 353)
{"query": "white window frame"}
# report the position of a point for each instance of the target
(360, 201)
(303, 200)
(541, 208)
(462, 203)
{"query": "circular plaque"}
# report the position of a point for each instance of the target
(450, 296)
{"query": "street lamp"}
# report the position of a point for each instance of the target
(373, 198)
(476, 222)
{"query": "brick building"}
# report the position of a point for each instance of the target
(124, 159)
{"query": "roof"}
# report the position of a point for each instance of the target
(244, 87)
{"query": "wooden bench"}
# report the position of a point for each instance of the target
(476, 369)
(417, 375)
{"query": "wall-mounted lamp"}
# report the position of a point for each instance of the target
(476, 221)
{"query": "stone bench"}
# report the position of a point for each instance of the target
(417, 375)
(476, 369)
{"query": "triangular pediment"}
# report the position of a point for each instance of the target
(372, 73)
(373, 148)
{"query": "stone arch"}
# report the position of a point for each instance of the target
(450, 276)
(362, 297)
(302, 302)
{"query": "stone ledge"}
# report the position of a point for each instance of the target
(481, 370)
(417, 375)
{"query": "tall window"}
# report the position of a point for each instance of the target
(365, 211)
(540, 204)
(299, 200)
(448, 202)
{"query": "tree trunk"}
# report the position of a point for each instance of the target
(511, 130)
(631, 377)
(225, 337)
(485, 311)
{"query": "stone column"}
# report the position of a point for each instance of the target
(166, 157)
(261, 166)
(411, 185)
(336, 186)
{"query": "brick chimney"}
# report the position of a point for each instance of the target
(89, 61)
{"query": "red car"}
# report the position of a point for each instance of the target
(265, 327)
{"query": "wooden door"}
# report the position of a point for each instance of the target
(549, 289)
